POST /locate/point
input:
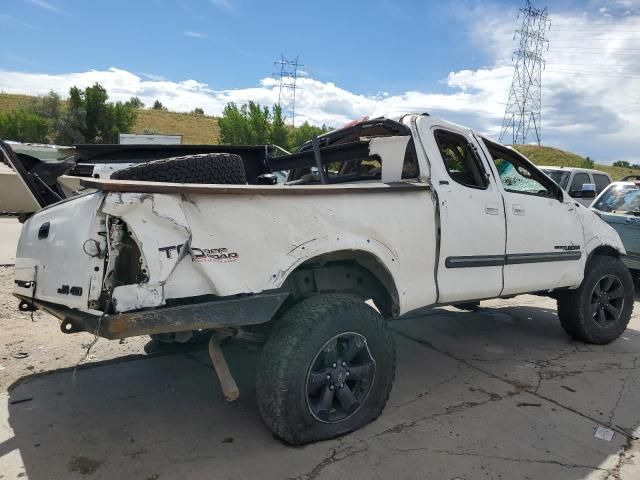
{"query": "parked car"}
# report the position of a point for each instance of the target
(619, 206)
(583, 184)
(378, 219)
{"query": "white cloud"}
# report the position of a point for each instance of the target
(195, 34)
(45, 5)
(317, 102)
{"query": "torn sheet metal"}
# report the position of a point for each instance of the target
(158, 225)
(134, 297)
(391, 151)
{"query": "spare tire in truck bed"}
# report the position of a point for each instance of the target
(203, 168)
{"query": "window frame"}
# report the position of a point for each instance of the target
(555, 191)
(575, 175)
(599, 191)
(482, 173)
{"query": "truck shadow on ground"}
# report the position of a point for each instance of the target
(501, 391)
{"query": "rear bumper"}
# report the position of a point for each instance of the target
(218, 313)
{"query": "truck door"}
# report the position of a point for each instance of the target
(472, 217)
(544, 238)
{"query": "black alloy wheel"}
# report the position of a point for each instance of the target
(340, 378)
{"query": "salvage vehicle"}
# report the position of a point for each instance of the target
(619, 206)
(380, 218)
(52, 172)
(583, 184)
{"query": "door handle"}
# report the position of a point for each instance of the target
(491, 209)
(518, 210)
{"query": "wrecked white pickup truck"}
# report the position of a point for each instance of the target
(375, 220)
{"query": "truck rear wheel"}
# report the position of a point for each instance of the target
(204, 168)
(326, 370)
(599, 310)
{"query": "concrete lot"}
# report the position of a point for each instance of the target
(498, 393)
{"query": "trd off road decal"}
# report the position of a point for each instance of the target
(203, 254)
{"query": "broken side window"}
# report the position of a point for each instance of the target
(460, 159)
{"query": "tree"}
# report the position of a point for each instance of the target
(135, 102)
(258, 120)
(279, 134)
(198, 111)
(304, 132)
(71, 125)
(90, 118)
(588, 163)
(252, 124)
(234, 128)
(98, 123)
(622, 163)
(23, 126)
(157, 105)
(47, 106)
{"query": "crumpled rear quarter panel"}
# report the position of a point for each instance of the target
(197, 244)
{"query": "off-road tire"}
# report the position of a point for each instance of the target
(205, 168)
(288, 354)
(574, 305)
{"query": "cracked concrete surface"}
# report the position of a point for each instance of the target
(498, 393)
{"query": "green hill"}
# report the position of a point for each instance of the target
(193, 128)
(204, 129)
(555, 157)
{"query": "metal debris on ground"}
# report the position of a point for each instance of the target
(604, 433)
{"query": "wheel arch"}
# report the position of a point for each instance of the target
(359, 272)
(603, 250)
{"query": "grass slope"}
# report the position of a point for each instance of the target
(193, 128)
(550, 156)
(204, 129)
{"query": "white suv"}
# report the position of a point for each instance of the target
(574, 179)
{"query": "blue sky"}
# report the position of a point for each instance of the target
(232, 43)
(362, 57)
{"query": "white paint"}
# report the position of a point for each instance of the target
(59, 258)
(392, 152)
(228, 244)
(104, 170)
(471, 220)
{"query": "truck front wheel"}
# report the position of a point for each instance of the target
(326, 370)
(599, 310)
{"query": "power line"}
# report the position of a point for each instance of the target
(596, 73)
(287, 79)
(524, 104)
(616, 30)
(608, 54)
(575, 47)
(587, 64)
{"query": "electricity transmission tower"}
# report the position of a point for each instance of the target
(287, 79)
(524, 105)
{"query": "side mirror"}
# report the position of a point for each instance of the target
(588, 190)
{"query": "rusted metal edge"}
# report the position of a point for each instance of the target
(107, 185)
(223, 312)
